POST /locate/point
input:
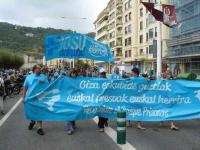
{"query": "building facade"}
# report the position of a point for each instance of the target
(131, 33)
(184, 43)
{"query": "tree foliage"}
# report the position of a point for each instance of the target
(26, 39)
(10, 60)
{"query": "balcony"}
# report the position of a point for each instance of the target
(119, 34)
(102, 34)
(142, 56)
(118, 45)
(119, 23)
(102, 24)
(119, 4)
(119, 14)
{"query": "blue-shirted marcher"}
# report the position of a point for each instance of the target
(116, 74)
(135, 76)
(71, 124)
(33, 84)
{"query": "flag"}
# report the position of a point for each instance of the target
(156, 13)
(167, 16)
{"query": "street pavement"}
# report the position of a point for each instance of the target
(14, 135)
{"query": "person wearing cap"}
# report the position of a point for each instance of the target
(33, 84)
(102, 121)
(136, 76)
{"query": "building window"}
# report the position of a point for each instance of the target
(112, 25)
(129, 52)
(128, 29)
(147, 23)
(141, 25)
(151, 19)
(152, 1)
(126, 54)
(129, 16)
(150, 33)
(128, 5)
(112, 35)
(141, 51)
(112, 16)
(128, 41)
(112, 44)
(141, 38)
(147, 50)
(141, 12)
(155, 31)
(126, 18)
(147, 37)
(151, 49)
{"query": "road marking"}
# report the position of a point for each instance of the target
(113, 135)
(3, 120)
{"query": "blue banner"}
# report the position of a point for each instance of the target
(76, 46)
(84, 98)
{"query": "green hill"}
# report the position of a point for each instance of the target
(26, 39)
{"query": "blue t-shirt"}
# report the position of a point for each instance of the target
(116, 76)
(137, 78)
(35, 84)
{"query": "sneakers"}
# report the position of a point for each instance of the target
(2, 112)
(174, 128)
(106, 124)
(69, 132)
(40, 131)
(128, 123)
(31, 125)
(101, 129)
(139, 127)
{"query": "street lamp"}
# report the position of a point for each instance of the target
(73, 18)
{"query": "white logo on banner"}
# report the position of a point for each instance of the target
(52, 99)
(98, 51)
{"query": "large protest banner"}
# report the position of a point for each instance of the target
(143, 100)
(76, 46)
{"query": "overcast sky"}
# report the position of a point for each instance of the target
(48, 13)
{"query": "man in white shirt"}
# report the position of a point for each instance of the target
(2, 93)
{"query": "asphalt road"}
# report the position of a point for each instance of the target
(14, 135)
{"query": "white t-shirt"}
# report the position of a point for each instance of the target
(1, 82)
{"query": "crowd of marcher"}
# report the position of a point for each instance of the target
(42, 74)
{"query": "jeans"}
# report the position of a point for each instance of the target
(70, 125)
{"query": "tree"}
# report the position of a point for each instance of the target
(10, 60)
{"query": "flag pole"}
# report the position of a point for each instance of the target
(159, 44)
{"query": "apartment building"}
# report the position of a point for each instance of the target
(132, 34)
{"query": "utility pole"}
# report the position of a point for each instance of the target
(73, 18)
(159, 45)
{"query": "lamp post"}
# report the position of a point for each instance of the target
(73, 18)
(159, 48)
